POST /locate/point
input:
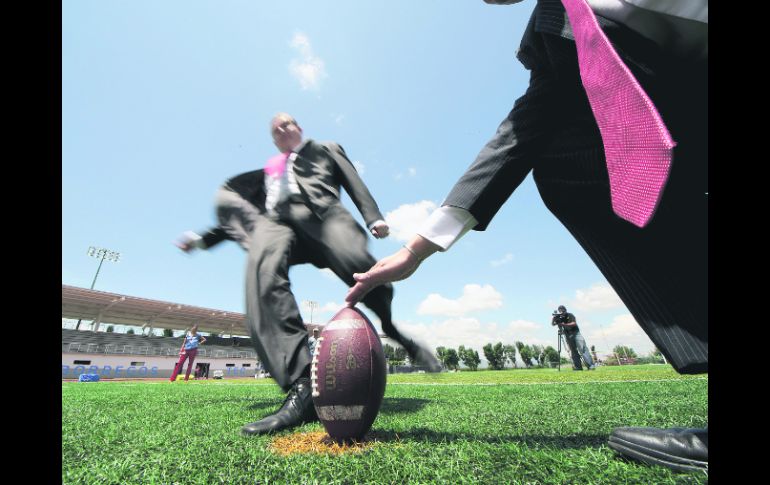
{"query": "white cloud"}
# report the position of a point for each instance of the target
(410, 172)
(307, 69)
(505, 260)
(474, 298)
(524, 326)
(360, 167)
(454, 332)
(405, 220)
(330, 307)
(600, 296)
(470, 332)
(623, 330)
(338, 118)
(327, 273)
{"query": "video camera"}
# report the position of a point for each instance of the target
(558, 318)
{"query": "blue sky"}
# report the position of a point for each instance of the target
(163, 101)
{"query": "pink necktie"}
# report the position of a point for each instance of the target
(637, 145)
(276, 165)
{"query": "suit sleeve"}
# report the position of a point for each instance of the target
(238, 202)
(354, 186)
(497, 171)
(504, 162)
(213, 236)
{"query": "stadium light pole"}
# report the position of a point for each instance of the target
(312, 305)
(101, 254)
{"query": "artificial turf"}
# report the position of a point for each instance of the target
(513, 426)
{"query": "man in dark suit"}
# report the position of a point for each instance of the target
(659, 271)
(290, 213)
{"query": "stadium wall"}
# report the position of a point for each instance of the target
(147, 367)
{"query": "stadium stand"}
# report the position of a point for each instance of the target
(117, 355)
(86, 341)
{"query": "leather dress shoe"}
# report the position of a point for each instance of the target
(297, 409)
(421, 356)
(681, 449)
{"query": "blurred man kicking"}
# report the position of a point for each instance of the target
(290, 213)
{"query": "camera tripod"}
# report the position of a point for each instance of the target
(559, 345)
(562, 342)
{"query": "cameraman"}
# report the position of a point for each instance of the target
(577, 344)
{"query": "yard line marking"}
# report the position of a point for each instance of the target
(124, 383)
(538, 383)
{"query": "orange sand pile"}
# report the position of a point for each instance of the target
(316, 442)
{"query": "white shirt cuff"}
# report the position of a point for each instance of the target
(446, 225)
(195, 240)
(378, 221)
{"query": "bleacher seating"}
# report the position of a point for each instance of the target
(86, 341)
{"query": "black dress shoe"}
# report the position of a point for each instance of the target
(421, 356)
(297, 409)
(680, 449)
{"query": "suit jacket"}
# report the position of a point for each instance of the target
(321, 169)
(661, 272)
(549, 103)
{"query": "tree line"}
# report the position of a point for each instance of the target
(500, 355)
(497, 355)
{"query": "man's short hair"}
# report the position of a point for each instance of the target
(282, 116)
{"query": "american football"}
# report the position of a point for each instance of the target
(348, 375)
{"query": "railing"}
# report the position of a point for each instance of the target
(82, 347)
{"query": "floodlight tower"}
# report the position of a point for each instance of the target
(101, 254)
(312, 305)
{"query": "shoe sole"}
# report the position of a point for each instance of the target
(655, 457)
(247, 432)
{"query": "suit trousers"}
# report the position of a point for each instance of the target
(660, 272)
(296, 235)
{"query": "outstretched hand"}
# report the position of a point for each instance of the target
(396, 267)
(183, 245)
(380, 230)
(186, 242)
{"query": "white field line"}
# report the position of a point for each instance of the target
(539, 383)
(123, 383)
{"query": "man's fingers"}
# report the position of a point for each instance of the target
(360, 276)
(358, 291)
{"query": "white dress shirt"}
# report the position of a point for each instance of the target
(678, 26)
(279, 188)
(446, 225)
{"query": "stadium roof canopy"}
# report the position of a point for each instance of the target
(100, 306)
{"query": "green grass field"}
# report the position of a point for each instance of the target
(513, 426)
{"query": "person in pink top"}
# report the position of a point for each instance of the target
(188, 352)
